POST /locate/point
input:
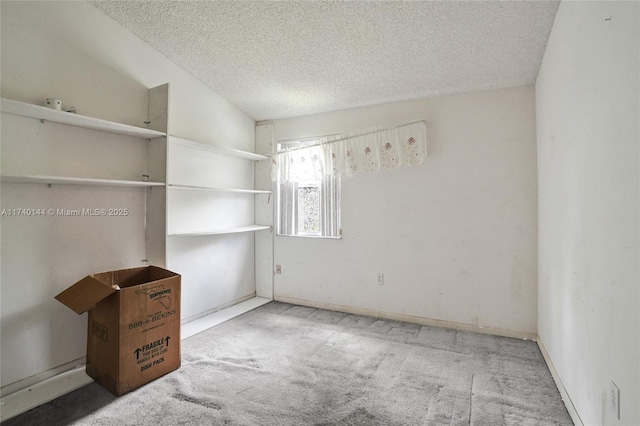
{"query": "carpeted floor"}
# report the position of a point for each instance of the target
(291, 365)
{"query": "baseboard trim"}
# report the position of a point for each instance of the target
(43, 392)
(410, 318)
(41, 377)
(194, 327)
(47, 390)
(217, 309)
(573, 413)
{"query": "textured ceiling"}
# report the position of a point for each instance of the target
(283, 59)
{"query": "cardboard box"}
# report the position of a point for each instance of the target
(134, 325)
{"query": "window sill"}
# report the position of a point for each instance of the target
(310, 236)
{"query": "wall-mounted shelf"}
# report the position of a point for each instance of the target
(218, 149)
(214, 189)
(66, 180)
(234, 230)
(43, 113)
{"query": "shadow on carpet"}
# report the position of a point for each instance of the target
(283, 364)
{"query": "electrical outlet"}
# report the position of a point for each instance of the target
(614, 399)
(278, 269)
(380, 279)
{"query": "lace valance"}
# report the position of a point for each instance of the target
(368, 152)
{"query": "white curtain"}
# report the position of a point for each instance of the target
(351, 155)
(329, 207)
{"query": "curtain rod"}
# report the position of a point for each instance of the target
(347, 137)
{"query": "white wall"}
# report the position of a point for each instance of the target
(454, 237)
(72, 51)
(264, 213)
(587, 111)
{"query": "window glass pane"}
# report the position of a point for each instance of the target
(309, 209)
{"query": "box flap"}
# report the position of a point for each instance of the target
(85, 294)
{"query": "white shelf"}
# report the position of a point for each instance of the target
(66, 180)
(43, 113)
(214, 189)
(234, 230)
(218, 149)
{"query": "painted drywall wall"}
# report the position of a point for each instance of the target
(587, 96)
(454, 237)
(72, 51)
(264, 213)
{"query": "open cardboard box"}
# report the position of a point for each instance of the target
(133, 335)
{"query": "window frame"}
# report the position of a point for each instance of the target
(282, 145)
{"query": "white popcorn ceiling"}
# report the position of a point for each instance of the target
(284, 59)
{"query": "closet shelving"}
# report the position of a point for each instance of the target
(232, 230)
(47, 114)
(215, 189)
(37, 112)
(195, 201)
(68, 180)
(221, 150)
(218, 149)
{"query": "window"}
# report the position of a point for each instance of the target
(308, 207)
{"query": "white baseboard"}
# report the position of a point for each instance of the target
(411, 318)
(573, 413)
(217, 309)
(204, 323)
(47, 390)
(43, 392)
(41, 377)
